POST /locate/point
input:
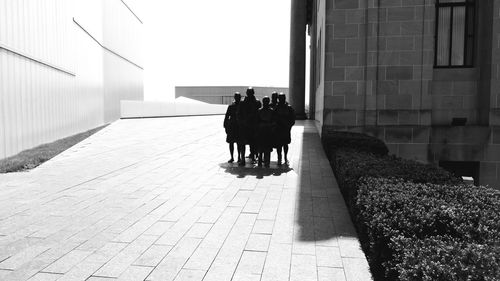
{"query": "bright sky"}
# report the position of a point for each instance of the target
(216, 42)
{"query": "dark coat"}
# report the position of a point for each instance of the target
(285, 119)
(231, 123)
(266, 127)
(247, 120)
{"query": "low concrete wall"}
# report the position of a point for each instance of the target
(178, 107)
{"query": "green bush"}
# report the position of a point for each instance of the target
(351, 140)
(416, 221)
(350, 165)
(389, 208)
(444, 259)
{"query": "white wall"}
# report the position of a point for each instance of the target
(177, 107)
(57, 77)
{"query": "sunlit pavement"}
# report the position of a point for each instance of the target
(154, 199)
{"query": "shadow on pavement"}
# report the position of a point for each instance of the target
(321, 212)
(254, 170)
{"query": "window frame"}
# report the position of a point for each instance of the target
(467, 4)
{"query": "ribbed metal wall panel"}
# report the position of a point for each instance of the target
(122, 81)
(122, 58)
(53, 73)
(117, 38)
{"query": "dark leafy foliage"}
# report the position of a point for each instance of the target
(444, 259)
(389, 208)
(418, 221)
(350, 165)
(350, 140)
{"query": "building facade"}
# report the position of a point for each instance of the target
(223, 94)
(422, 75)
(64, 67)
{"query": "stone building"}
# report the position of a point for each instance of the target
(422, 75)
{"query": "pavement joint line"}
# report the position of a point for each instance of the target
(103, 277)
(255, 251)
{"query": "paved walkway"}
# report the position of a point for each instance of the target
(153, 199)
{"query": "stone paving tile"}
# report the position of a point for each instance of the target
(69, 260)
(277, 265)
(119, 263)
(226, 261)
(14, 262)
(303, 268)
(263, 226)
(328, 256)
(258, 242)
(170, 266)
(356, 269)
(135, 273)
(251, 263)
(330, 274)
(148, 199)
(45, 277)
(199, 230)
(153, 256)
(190, 275)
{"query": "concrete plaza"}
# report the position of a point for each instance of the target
(154, 199)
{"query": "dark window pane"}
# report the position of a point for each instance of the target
(443, 38)
(458, 36)
(469, 43)
(455, 33)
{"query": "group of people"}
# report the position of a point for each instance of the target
(262, 126)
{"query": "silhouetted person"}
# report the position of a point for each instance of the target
(274, 100)
(247, 122)
(265, 131)
(231, 126)
(285, 119)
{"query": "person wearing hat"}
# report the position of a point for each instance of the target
(285, 119)
(274, 100)
(231, 126)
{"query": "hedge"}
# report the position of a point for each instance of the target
(444, 259)
(350, 165)
(389, 208)
(357, 141)
(416, 221)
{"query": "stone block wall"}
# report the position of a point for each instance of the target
(380, 79)
(379, 63)
(379, 68)
(455, 95)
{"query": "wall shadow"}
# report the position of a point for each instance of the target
(254, 170)
(321, 213)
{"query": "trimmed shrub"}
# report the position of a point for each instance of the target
(444, 259)
(355, 164)
(389, 208)
(357, 141)
(350, 165)
(417, 221)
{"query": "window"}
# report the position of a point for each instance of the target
(319, 57)
(454, 33)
